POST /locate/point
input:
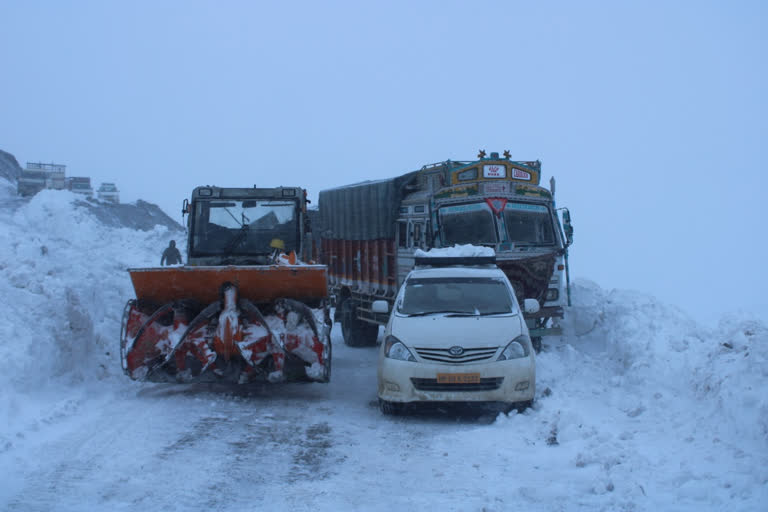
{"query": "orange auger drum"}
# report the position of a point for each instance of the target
(241, 310)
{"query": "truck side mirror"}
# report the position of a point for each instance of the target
(567, 227)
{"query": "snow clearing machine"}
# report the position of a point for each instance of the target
(245, 307)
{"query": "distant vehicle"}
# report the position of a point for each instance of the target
(31, 182)
(80, 185)
(456, 334)
(39, 176)
(108, 192)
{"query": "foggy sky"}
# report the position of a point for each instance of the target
(652, 115)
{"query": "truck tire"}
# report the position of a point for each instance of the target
(327, 359)
(390, 408)
(356, 332)
(536, 342)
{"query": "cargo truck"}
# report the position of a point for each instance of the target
(369, 232)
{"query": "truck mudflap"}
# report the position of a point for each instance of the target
(229, 340)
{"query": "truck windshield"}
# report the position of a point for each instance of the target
(246, 227)
(456, 295)
(528, 224)
(468, 224)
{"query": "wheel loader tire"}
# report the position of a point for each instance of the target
(356, 332)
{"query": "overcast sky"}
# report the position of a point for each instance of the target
(651, 115)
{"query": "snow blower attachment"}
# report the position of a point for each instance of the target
(238, 322)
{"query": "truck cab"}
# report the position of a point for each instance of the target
(245, 226)
(494, 202)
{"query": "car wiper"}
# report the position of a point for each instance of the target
(488, 313)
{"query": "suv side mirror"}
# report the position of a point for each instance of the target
(530, 306)
(380, 306)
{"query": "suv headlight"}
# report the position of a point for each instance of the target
(395, 349)
(516, 348)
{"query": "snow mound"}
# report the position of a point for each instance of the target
(733, 375)
(7, 189)
(643, 342)
(64, 284)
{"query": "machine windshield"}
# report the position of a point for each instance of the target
(245, 227)
(528, 224)
(468, 224)
(456, 295)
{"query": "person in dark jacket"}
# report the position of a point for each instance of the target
(171, 255)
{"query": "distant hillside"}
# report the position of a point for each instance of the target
(142, 215)
(9, 167)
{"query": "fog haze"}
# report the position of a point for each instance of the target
(652, 117)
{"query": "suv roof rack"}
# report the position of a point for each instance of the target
(454, 261)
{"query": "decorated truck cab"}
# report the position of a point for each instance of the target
(370, 231)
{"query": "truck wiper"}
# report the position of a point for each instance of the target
(236, 240)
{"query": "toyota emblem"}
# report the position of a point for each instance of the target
(456, 351)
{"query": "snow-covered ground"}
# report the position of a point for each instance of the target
(638, 407)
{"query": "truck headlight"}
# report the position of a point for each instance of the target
(395, 349)
(516, 348)
(552, 294)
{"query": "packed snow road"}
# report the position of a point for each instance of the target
(292, 446)
(120, 445)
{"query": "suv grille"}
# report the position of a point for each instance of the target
(470, 355)
(487, 384)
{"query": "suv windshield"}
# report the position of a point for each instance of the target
(231, 226)
(458, 295)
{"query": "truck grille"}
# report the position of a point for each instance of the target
(470, 355)
(487, 384)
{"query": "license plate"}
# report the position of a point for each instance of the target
(458, 378)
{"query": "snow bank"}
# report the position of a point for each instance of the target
(64, 285)
(7, 189)
(645, 343)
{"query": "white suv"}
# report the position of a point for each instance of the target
(456, 334)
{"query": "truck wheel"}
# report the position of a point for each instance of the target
(536, 342)
(356, 332)
(327, 360)
(390, 408)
